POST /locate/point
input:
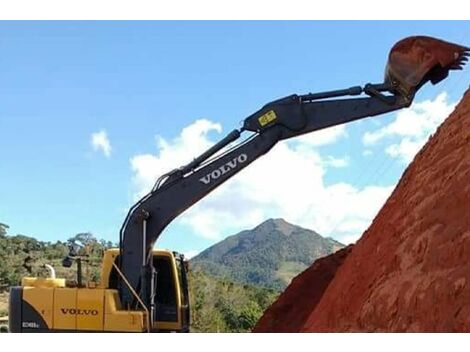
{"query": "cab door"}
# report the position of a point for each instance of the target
(167, 300)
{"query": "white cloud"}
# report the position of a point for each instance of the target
(288, 183)
(323, 137)
(190, 254)
(412, 126)
(336, 162)
(192, 141)
(406, 149)
(100, 142)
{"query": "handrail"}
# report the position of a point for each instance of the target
(135, 294)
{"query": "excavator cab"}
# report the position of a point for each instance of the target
(170, 309)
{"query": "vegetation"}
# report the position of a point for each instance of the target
(217, 305)
(3, 303)
(270, 255)
(25, 256)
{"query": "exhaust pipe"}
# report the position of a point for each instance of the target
(51, 270)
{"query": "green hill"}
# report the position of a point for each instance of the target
(269, 255)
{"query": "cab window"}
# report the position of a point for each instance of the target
(165, 300)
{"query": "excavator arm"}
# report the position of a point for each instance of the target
(282, 119)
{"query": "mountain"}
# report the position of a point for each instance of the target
(269, 255)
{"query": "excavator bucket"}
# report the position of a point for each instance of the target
(415, 60)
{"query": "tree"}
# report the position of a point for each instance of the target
(249, 315)
(107, 244)
(84, 238)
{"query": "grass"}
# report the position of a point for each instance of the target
(288, 270)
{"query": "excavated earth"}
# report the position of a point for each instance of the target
(410, 271)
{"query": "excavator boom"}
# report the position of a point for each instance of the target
(412, 62)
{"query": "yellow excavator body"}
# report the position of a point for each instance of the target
(50, 304)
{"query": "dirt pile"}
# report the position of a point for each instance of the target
(292, 309)
(410, 271)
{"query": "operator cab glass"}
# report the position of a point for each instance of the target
(165, 299)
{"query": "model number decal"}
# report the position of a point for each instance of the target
(269, 117)
(72, 311)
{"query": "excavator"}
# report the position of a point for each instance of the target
(143, 289)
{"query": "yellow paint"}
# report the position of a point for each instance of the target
(90, 309)
(42, 282)
(65, 302)
(108, 260)
(41, 299)
(121, 320)
(168, 325)
(268, 117)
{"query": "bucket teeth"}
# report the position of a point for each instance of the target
(413, 61)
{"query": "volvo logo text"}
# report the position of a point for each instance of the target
(73, 311)
(232, 164)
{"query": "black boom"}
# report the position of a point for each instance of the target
(179, 189)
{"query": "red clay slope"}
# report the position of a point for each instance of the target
(410, 271)
(293, 307)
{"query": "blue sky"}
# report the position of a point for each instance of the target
(61, 82)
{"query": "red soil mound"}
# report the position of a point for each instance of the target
(292, 309)
(411, 269)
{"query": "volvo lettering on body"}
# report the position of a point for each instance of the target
(232, 164)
